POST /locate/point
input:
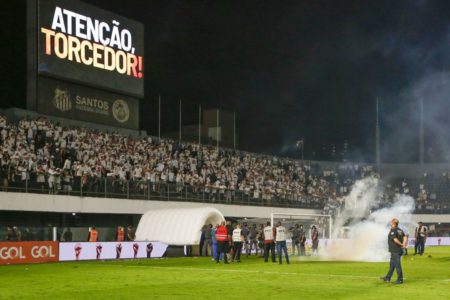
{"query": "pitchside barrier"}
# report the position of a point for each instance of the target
(110, 250)
(28, 252)
(40, 252)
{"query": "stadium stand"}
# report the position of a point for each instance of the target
(41, 156)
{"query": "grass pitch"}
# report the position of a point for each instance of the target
(200, 278)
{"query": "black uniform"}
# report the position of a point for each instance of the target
(245, 233)
(296, 240)
(396, 252)
(230, 233)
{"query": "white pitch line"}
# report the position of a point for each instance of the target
(276, 273)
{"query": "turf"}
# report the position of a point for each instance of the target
(199, 278)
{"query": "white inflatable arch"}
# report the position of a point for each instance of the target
(178, 226)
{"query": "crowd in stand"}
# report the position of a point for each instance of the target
(63, 158)
(45, 155)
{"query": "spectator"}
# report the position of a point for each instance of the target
(68, 235)
(52, 158)
(207, 243)
(131, 234)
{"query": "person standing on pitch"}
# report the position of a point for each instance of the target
(421, 238)
(245, 233)
(207, 243)
(253, 240)
(405, 241)
(280, 237)
(214, 242)
(395, 243)
(230, 249)
(222, 242)
(260, 238)
(269, 245)
(315, 240)
(296, 239)
(302, 241)
(238, 238)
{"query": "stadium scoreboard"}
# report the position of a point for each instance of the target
(89, 62)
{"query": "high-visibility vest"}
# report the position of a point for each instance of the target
(237, 235)
(93, 236)
(268, 233)
(281, 234)
(222, 234)
(120, 235)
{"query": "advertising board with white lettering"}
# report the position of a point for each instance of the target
(110, 250)
(28, 252)
(73, 101)
(82, 43)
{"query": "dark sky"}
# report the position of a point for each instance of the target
(299, 69)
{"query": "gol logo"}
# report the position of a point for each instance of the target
(18, 253)
(42, 251)
(12, 253)
(28, 252)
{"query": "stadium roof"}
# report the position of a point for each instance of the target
(179, 226)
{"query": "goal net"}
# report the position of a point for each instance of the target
(323, 223)
(303, 223)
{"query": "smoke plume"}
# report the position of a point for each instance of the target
(364, 226)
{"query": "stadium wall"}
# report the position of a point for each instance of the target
(68, 204)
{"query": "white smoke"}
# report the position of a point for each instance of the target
(366, 229)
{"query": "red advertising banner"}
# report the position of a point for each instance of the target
(28, 252)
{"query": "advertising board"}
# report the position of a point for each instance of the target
(110, 250)
(73, 101)
(28, 252)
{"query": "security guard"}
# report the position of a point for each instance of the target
(269, 244)
(238, 238)
(395, 243)
(421, 237)
(280, 238)
(120, 234)
(222, 242)
(93, 235)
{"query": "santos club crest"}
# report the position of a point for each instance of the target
(61, 100)
(121, 111)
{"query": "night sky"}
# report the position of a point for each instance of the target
(301, 69)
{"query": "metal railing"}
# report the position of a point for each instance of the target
(109, 187)
(159, 191)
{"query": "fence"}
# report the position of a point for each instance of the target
(146, 190)
(161, 191)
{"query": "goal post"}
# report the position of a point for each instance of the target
(299, 217)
